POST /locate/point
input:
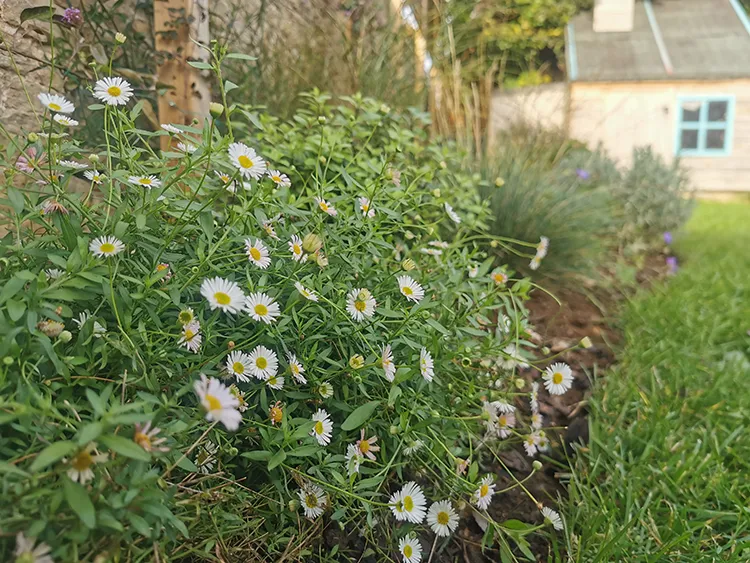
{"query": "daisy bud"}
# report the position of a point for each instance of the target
(494, 243)
(384, 108)
(408, 265)
(536, 465)
(409, 235)
(499, 182)
(321, 119)
(120, 38)
(65, 336)
(586, 342)
(466, 362)
(520, 383)
(231, 344)
(312, 243)
(321, 259)
(232, 451)
(394, 430)
(436, 192)
(216, 109)
(293, 505)
(33, 137)
(8, 361)
(93, 157)
(545, 350)
(356, 361)
(443, 164)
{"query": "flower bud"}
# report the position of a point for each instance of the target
(494, 244)
(293, 505)
(321, 119)
(536, 464)
(8, 361)
(408, 265)
(466, 362)
(216, 109)
(499, 182)
(586, 342)
(322, 159)
(93, 158)
(65, 336)
(356, 361)
(232, 451)
(443, 164)
(394, 430)
(312, 243)
(120, 38)
(520, 383)
(230, 346)
(321, 259)
(436, 192)
(33, 137)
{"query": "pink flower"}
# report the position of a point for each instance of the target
(367, 447)
(29, 161)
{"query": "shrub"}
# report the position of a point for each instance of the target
(193, 345)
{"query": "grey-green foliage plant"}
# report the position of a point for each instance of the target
(96, 347)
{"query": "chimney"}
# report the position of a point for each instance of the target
(613, 15)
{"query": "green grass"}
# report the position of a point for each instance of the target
(667, 476)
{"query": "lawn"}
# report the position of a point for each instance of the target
(666, 474)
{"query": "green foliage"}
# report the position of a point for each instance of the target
(664, 478)
(94, 347)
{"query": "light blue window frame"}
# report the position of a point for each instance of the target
(703, 125)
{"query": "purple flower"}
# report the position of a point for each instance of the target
(667, 238)
(672, 264)
(72, 16)
(583, 174)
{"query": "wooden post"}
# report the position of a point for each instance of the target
(188, 95)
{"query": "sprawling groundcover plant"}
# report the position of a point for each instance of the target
(212, 351)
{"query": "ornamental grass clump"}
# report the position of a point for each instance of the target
(209, 352)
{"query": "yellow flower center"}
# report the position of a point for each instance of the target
(222, 298)
(443, 518)
(311, 501)
(319, 427)
(244, 161)
(213, 403)
(224, 178)
(238, 367)
(483, 490)
(261, 310)
(107, 248)
(255, 253)
(502, 421)
(82, 461)
(323, 205)
(364, 446)
(297, 249)
(276, 179)
(295, 369)
(145, 181)
(365, 207)
(406, 290)
(114, 91)
(557, 378)
(202, 457)
(162, 267)
(273, 380)
(189, 335)
(408, 504)
(261, 363)
(276, 414)
(54, 107)
(408, 550)
(142, 440)
(360, 306)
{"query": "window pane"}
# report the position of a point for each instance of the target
(689, 139)
(717, 111)
(691, 111)
(715, 138)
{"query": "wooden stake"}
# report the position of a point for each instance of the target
(188, 94)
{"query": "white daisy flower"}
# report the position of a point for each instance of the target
(82, 463)
(552, 517)
(530, 443)
(56, 102)
(542, 247)
(354, 459)
(323, 427)
(366, 207)
(360, 304)
(275, 382)
(542, 442)
(306, 293)
(386, 361)
(296, 368)
(65, 120)
(239, 365)
(426, 364)
(410, 289)
(94, 176)
(408, 504)
(505, 421)
(504, 407)
(27, 552)
(534, 397)
(281, 180)
(73, 164)
(223, 294)
(452, 214)
(262, 308)
(218, 402)
(191, 337)
(240, 397)
(325, 390)
(326, 207)
(257, 253)
(431, 251)
(413, 447)
(535, 263)
(247, 161)
(187, 148)
(83, 318)
(113, 91)
(223, 176)
(500, 278)
(270, 231)
(537, 420)
(442, 518)
(483, 495)
(439, 244)
(513, 358)
(410, 549)
(206, 458)
(313, 500)
(169, 128)
(295, 245)
(53, 273)
(186, 316)
(473, 270)
(558, 378)
(106, 246)
(264, 363)
(145, 181)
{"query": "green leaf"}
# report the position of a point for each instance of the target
(107, 520)
(304, 451)
(51, 454)
(16, 309)
(260, 455)
(140, 524)
(79, 501)
(10, 469)
(277, 459)
(200, 65)
(36, 13)
(241, 56)
(12, 286)
(89, 433)
(229, 86)
(125, 447)
(14, 194)
(437, 326)
(359, 416)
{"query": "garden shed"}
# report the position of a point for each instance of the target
(672, 74)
